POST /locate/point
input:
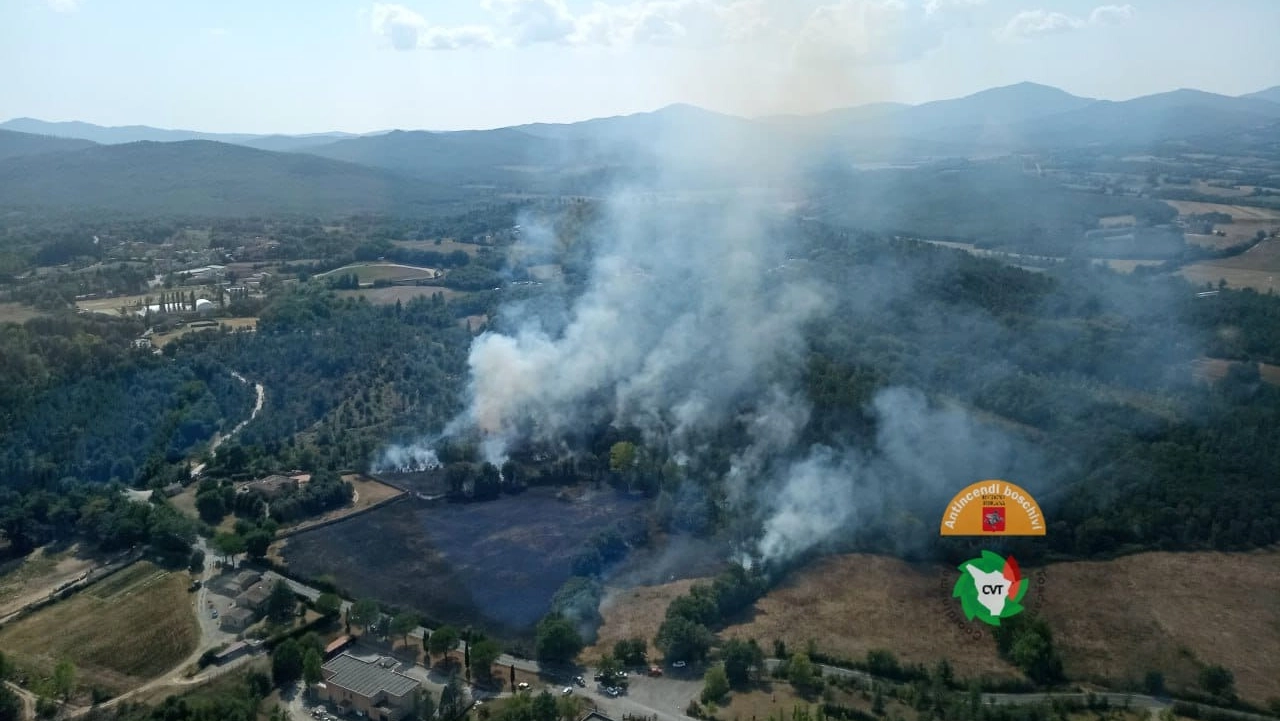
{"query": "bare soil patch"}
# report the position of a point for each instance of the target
(17, 313)
(441, 246)
(160, 340)
(31, 578)
(120, 632)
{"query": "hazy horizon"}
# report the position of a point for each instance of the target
(352, 66)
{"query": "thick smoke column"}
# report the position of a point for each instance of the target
(673, 331)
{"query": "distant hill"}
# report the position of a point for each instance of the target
(1270, 94)
(202, 177)
(294, 143)
(474, 156)
(110, 135)
(1151, 118)
(14, 144)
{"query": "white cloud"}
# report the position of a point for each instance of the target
(933, 7)
(1111, 14)
(1036, 23)
(407, 30)
(64, 6)
(527, 22)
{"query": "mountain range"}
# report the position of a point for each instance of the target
(144, 168)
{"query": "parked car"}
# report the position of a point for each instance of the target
(679, 664)
(580, 681)
(567, 690)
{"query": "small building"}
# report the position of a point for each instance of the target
(254, 598)
(237, 619)
(336, 645)
(354, 685)
(233, 585)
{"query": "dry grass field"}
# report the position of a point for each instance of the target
(1257, 268)
(402, 293)
(1116, 619)
(368, 492)
(848, 605)
(633, 612)
(1117, 221)
(125, 630)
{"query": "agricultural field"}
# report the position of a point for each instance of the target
(372, 272)
(120, 632)
(494, 563)
(402, 293)
(1255, 268)
(1113, 619)
(112, 306)
(1237, 212)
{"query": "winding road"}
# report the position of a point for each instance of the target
(218, 440)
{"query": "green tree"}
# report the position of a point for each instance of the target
(10, 705)
(328, 604)
(1153, 683)
(715, 684)
(803, 675)
(196, 561)
(364, 613)
(228, 545)
(544, 707)
(483, 655)
(609, 667)
(311, 667)
(211, 507)
(631, 651)
(424, 705)
(557, 640)
(281, 603)
(681, 639)
(64, 680)
(442, 641)
(286, 663)
(740, 659)
(622, 456)
(257, 542)
(1218, 681)
(403, 623)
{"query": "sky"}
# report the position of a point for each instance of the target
(300, 66)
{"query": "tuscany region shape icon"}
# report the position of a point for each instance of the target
(990, 588)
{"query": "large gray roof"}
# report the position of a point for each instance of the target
(367, 678)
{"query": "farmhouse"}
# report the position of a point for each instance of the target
(240, 582)
(237, 619)
(356, 685)
(254, 597)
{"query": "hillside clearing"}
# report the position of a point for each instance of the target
(633, 613)
(17, 313)
(120, 632)
(27, 579)
(1237, 212)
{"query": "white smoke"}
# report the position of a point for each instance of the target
(407, 459)
(672, 332)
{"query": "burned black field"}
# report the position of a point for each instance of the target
(494, 564)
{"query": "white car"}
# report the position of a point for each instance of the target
(567, 690)
(679, 664)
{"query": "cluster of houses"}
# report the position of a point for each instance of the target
(249, 593)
